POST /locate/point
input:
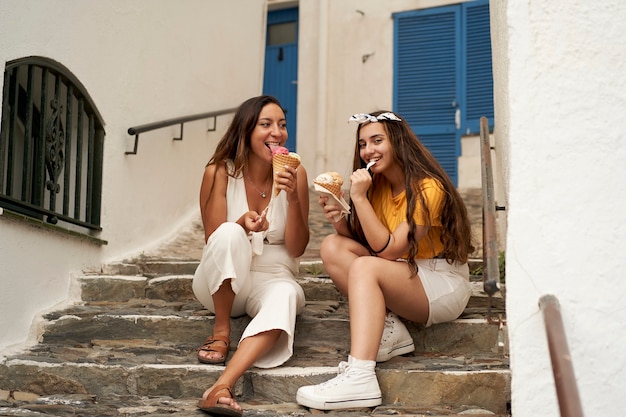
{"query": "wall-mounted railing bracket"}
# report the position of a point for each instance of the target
(134, 151)
(182, 125)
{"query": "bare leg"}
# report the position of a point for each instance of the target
(338, 253)
(250, 349)
(367, 311)
(223, 302)
(374, 285)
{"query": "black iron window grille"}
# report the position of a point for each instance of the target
(51, 146)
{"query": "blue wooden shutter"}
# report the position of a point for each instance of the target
(477, 71)
(427, 72)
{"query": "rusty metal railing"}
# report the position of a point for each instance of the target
(491, 270)
(136, 130)
(562, 368)
(491, 267)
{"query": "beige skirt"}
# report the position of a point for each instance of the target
(264, 285)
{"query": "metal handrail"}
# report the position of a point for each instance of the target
(491, 271)
(136, 130)
(562, 368)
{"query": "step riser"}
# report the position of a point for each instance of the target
(487, 389)
(460, 336)
(178, 288)
(161, 268)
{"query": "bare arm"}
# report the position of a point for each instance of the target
(297, 225)
(388, 246)
(213, 198)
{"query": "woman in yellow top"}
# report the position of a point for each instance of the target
(402, 251)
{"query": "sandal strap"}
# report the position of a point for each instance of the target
(219, 388)
(212, 399)
(212, 339)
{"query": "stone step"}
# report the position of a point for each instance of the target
(415, 381)
(185, 323)
(28, 404)
(177, 287)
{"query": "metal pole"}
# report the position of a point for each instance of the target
(562, 368)
(491, 273)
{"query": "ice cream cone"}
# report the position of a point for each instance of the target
(334, 188)
(280, 161)
(331, 182)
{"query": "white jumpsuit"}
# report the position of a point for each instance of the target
(261, 271)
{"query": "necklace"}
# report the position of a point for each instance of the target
(261, 193)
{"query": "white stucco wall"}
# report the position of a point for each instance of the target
(141, 61)
(560, 97)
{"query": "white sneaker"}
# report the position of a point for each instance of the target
(396, 339)
(355, 386)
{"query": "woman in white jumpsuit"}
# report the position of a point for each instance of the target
(253, 240)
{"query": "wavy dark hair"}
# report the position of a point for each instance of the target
(418, 163)
(235, 144)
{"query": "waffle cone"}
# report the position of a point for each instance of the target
(280, 161)
(334, 188)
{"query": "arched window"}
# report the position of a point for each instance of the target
(51, 145)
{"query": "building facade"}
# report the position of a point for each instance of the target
(557, 87)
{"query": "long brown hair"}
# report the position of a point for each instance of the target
(418, 163)
(235, 144)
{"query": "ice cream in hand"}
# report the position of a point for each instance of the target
(330, 183)
(281, 157)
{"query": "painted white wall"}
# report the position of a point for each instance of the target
(470, 163)
(560, 97)
(141, 61)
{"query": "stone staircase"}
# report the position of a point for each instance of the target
(128, 349)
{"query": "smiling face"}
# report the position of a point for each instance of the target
(374, 145)
(270, 130)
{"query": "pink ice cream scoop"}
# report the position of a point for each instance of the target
(279, 150)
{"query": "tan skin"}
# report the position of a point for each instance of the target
(372, 283)
(270, 129)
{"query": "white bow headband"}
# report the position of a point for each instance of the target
(364, 117)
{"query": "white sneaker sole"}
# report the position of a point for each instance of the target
(400, 348)
(339, 403)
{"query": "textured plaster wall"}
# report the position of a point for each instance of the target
(141, 61)
(560, 97)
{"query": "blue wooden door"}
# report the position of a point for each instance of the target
(442, 75)
(281, 65)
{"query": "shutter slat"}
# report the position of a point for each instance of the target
(479, 78)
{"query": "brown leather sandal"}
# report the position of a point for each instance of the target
(211, 344)
(211, 405)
